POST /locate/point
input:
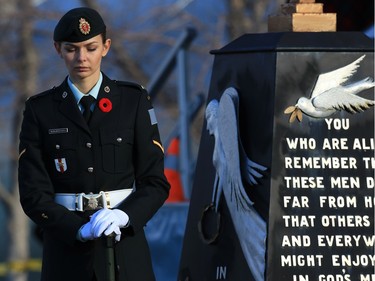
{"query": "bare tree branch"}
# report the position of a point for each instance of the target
(6, 196)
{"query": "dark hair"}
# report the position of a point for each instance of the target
(104, 36)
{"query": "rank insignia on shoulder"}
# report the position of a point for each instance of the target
(21, 153)
(131, 84)
(158, 144)
(61, 165)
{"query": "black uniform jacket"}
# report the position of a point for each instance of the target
(59, 152)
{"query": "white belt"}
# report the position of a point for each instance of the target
(87, 202)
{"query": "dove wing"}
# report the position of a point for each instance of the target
(340, 100)
(218, 155)
(335, 78)
(249, 170)
(228, 132)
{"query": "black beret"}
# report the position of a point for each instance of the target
(78, 25)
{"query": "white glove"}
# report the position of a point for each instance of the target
(108, 221)
(113, 229)
(85, 232)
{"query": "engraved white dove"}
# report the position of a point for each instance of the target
(229, 156)
(232, 166)
(331, 93)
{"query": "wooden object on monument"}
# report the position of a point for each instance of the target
(302, 16)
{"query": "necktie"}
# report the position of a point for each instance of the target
(86, 103)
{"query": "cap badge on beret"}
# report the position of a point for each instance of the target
(84, 26)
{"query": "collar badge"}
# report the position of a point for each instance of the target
(84, 26)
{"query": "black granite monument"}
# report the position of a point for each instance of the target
(296, 111)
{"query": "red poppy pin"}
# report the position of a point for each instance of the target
(105, 105)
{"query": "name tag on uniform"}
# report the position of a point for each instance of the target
(57, 131)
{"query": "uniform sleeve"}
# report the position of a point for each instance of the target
(36, 190)
(152, 187)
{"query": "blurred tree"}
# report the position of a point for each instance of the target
(21, 64)
(249, 16)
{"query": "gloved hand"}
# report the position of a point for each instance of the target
(85, 232)
(108, 221)
(112, 228)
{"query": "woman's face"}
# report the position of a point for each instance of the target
(83, 59)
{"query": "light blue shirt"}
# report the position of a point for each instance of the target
(93, 92)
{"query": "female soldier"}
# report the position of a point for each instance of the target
(88, 169)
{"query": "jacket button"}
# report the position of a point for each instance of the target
(90, 169)
(88, 145)
(119, 140)
(57, 146)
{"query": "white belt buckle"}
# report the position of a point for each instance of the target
(90, 202)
